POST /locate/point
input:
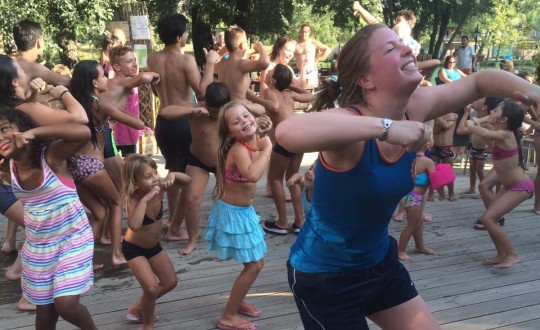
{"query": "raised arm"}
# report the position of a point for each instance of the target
(193, 75)
(462, 128)
(252, 170)
(363, 13)
(432, 102)
(49, 76)
(301, 95)
(260, 64)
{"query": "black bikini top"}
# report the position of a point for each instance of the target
(148, 221)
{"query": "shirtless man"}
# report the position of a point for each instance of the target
(443, 137)
(278, 100)
(180, 79)
(30, 43)
(234, 71)
(477, 154)
(306, 55)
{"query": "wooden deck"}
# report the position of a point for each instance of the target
(461, 292)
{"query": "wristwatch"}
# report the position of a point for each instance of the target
(386, 122)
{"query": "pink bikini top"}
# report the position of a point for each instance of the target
(234, 175)
(497, 153)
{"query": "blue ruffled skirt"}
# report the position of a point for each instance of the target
(234, 233)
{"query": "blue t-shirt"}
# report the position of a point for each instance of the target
(347, 226)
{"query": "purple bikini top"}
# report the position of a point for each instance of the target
(497, 153)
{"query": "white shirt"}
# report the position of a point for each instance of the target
(465, 56)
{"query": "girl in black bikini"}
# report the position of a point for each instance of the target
(143, 191)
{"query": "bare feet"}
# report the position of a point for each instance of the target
(187, 249)
(537, 212)
(236, 322)
(398, 217)
(442, 197)
(492, 261)
(429, 198)
(13, 273)
(97, 266)
(403, 256)
(8, 248)
(118, 260)
(469, 191)
(451, 198)
(427, 217)
(508, 261)
(180, 235)
(425, 250)
(249, 310)
(25, 305)
(104, 240)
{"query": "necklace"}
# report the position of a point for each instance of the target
(245, 144)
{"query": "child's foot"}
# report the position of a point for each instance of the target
(105, 240)
(13, 273)
(8, 248)
(118, 260)
(403, 256)
(236, 323)
(425, 250)
(398, 217)
(508, 261)
(452, 198)
(492, 261)
(535, 211)
(180, 235)
(442, 197)
(187, 249)
(427, 217)
(429, 198)
(249, 310)
(469, 191)
(25, 306)
(97, 266)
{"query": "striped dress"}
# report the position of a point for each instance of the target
(57, 255)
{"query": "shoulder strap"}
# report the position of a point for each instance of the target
(354, 108)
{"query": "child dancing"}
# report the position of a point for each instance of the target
(145, 257)
(414, 202)
(57, 255)
(506, 120)
(233, 226)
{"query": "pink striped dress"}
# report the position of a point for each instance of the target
(57, 255)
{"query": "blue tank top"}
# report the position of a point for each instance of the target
(347, 226)
(452, 74)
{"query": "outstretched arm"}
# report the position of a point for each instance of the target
(363, 13)
(172, 112)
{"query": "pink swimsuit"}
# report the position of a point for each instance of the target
(233, 175)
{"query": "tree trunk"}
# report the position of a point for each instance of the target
(202, 34)
(443, 27)
(242, 14)
(66, 40)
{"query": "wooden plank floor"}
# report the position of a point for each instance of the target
(461, 292)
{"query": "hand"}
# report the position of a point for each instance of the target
(467, 109)
(264, 143)
(294, 179)
(265, 123)
(168, 181)
(155, 78)
(36, 84)
(531, 100)
(356, 7)
(211, 56)
(23, 138)
(409, 134)
(201, 112)
(151, 194)
(56, 92)
(258, 47)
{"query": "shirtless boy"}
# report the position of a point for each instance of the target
(278, 100)
(477, 154)
(180, 78)
(234, 70)
(30, 43)
(443, 136)
(306, 55)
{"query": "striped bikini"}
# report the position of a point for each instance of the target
(57, 256)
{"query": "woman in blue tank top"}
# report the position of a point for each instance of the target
(343, 266)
